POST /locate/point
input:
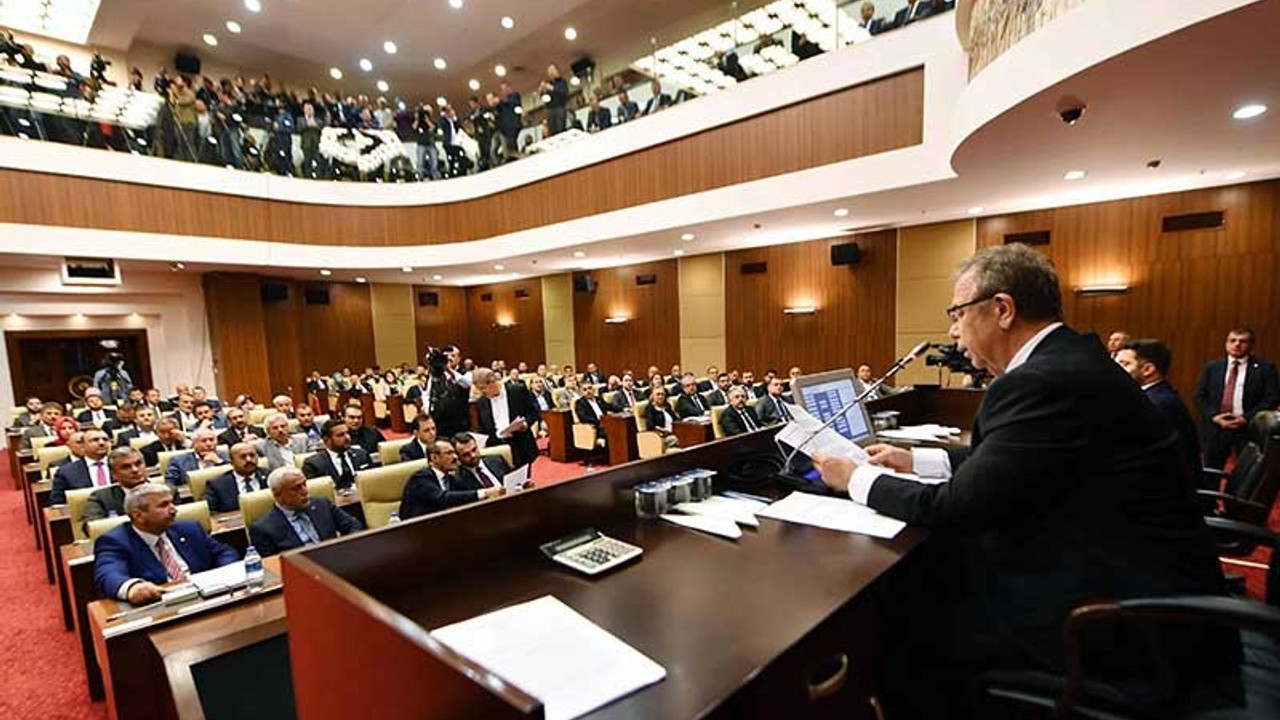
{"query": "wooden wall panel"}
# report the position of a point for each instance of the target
(855, 319)
(505, 327)
(881, 115)
(443, 324)
(340, 333)
(1187, 289)
(237, 334)
(284, 343)
(652, 334)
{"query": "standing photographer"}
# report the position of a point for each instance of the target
(444, 398)
(113, 380)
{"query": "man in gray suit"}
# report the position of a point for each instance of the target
(279, 447)
(49, 414)
(863, 381)
(204, 454)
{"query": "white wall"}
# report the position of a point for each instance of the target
(169, 306)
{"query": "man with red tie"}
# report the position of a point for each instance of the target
(1229, 392)
(485, 471)
(89, 471)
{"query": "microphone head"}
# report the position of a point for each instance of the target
(915, 351)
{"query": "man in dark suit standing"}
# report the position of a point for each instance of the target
(690, 403)
(1229, 392)
(133, 560)
(484, 471)
(297, 519)
(340, 459)
(89, 471)
(738, 418)
(1064, 496)
(223, 492)
(771, 408)
(505, 415)
(1147, 362)
(510, 114)
(438, 486)
(424, 436)
(129, 470)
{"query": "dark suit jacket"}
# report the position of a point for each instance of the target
(367, 438)
(520, 403)
(595, 377)
(423, 494)
(586, 414)
(496, 464)
(1166, 399)
(1261, 388)
(412, 450)
(103, 502)
(223, 492)
(733, 424)
(273, 533)
(691, 405)
(719, 397)
(767, 410)
(72, 476)
(180, 465)
(120, 555)
(86, 415)
(1072, 481)
(653, 417)
(114, 424)
(321, 465)
(547, 397)
(151, 453)
(230, 437)
(621, 401)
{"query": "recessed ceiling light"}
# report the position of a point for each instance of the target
(677, 253)
(233, 27)
(515, 274)
(383, 86)
(437, 277)
(366, 64)
(1244, 112)
(440, 63)
(474, 84)
(253, 5)
(686, 237)
(579, 254)
(570, 33)
(1236, 174)
(441, 101)
(326, 273)
(508, 22)
(976, 210)
(78, 316)
(177, 266)
(500, 70)
(407, 269)
(335, 73)
(575, 81)
(389, 47)
(211, 40)
(841, 212)
(1075, 175)
(361, 279)
(455, 4)
(499, 268)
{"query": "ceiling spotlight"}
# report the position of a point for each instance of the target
(570, 34)
(1075, 175)
(474, 84)
(976, 210)
(389, 47)
(499, 268)
(383, 86)
(575, 81)
(253, 6)
(508, 22)
(579, 254)
(211, 40)
(500, 70)
(677, 253)
(440, 63)
(233, 27)
(441, 101)
(78, 316)
(335, 73)
(1236, 174)
(407, 269)
(455, 4)
(686, 237)
(1244, 112)
(841, 212)
(326, 273)
(366, 64)
(177, 266)
(361, 279)
(437, 277)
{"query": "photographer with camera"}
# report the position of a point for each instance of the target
(112, 380)
(953, 359)
(444, 398)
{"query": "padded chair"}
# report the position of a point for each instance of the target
(39, 442)
(47, 456)
(165, 456)
(321, 420)
(139, 443)
(196, 512)
(259, 502)
(197, 479)
(559, 400)
(299, 458)
(502, 451)
(382, 489)
(77, 504)
(1255, 480)
(717, 420)
(585, 436)
(648, 443)
(609, 397)
(293, 425)
(257, 415)
(102, 525)
(389, 450)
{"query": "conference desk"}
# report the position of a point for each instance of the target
(691, 434)
(559, 427)
(620, 434)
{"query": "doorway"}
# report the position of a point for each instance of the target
(59, 364)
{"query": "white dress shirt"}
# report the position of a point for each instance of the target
(501, 412)
(445, 486)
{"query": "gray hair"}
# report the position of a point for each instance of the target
(203, 432)
(1017, 270)
(120, 454)
(483, 376)
(137, 497)
(278, 476)
(272, 418)
(281, 398)
(737, 390)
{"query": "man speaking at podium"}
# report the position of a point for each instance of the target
(1072, 490)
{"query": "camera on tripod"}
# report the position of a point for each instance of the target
(953, 359)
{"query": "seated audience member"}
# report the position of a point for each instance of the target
(424, 435)
(202, 396)
(868, 21)
(708, 383)
(30, 414)
(566, 373)
(598, 118)
(307, 426)
(505, 415)
(74, 444)
(593, 374)
(613, 384)
(297, 519)
(690, 402)
(168, 439)
(1230, 390)
(89, 471)
(129, 470)
(590, 410)
(737, 417)
(438, 487)
(283, 404)
(658, 100)
(660, 415)
(485, 471)
(43, 427)
(627, 108)
(625, 397)
(513, 377)
(771, 408)
(239, 430)
(124, 419)
(133, 560)
(95, 412)
(1147, 362)
(204, 454)
(863, 379)
(1116, 342)
(158, 402)
(144, 428)
(185, 415)
(340, 459)
(720, 395)
(366, 437)
(541, 395)
(316, 383)
(674, 378)
(572, 391)
(63, 428)
(280, 445)
(223, 492)
(207, 417)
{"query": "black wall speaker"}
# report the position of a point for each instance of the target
(428, 298)
(584, 283)
(316, 296)
(186, 64)
(846, 254)
(583, 66)
(274, 291)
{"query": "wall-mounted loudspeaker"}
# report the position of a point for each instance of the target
(584, 283)
(273, 291)
(186, 64)
(428, 298)
(846, 254)
(316, 296)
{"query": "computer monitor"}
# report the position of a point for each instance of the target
(823, 394)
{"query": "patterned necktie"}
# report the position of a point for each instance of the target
(782, 409)
(746, 419)
(308, 529)
(1229, 393)
(248, 484)
(172, 569)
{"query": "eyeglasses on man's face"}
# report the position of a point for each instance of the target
(953, 312)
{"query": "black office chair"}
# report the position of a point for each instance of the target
(1254, 481)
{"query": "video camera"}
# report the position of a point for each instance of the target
(953, 358)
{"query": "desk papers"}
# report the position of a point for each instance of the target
(742, 512)
(724, 527)
(827, 442)
(921, 433)
(834, 514)
(218, 580)
(548, 650)
(514, 481)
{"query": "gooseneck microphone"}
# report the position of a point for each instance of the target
(902, 362)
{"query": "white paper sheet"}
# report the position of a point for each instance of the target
(724, 527)
(514, 481)
(832, 513)
(547, 649)
(219, 580)
(927, 433)
(742, 512)
(828, 442)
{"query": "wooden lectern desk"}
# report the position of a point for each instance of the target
(778, 623)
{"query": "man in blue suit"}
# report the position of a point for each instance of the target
(297, 519)
(89, 471)
(133, 560)
(1230, 391)
(204, 454)
(223, 492)
(1147, 362)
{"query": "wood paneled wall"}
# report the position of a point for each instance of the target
(442, 324)
(855, 319)
(505, 327)
(237, 335)
(881, 115)
(1187, 288)
(651, 336)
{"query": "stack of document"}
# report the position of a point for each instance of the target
(921, 433)
(834, 514)
(718, 515)
(551, 652)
